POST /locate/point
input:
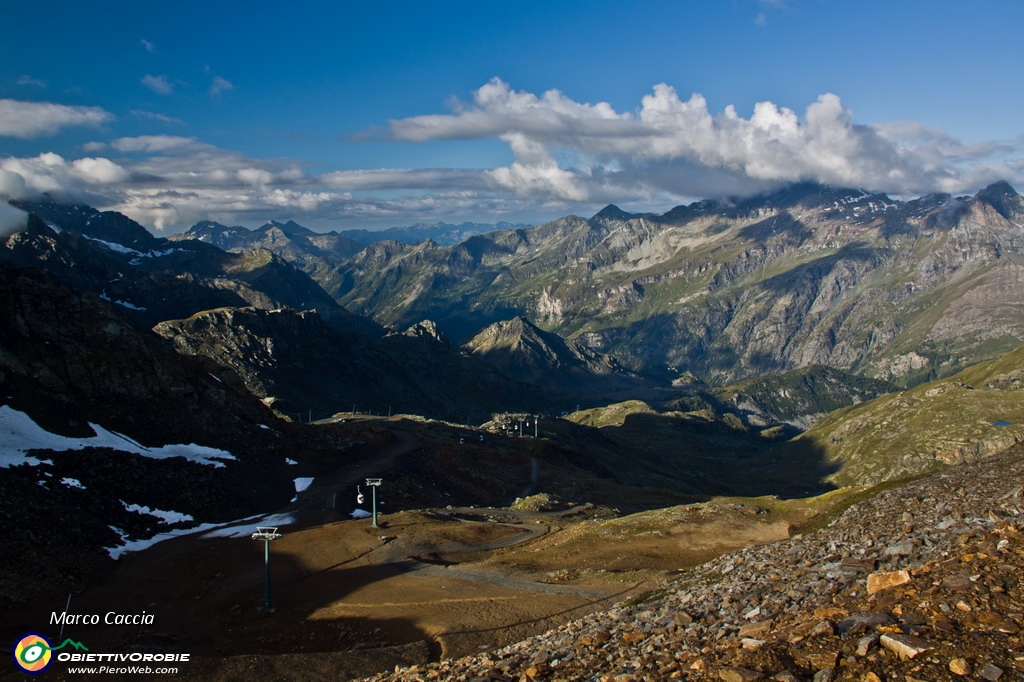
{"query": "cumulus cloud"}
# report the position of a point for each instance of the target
(773, 145)
(53, 173)
(34, 119)
(536, 173)
(158, 84)
(499, 111)
(99, 171)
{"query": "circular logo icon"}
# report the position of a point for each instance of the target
(32, 653)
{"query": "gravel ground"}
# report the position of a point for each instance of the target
(921, 582)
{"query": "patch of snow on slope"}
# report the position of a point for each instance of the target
(19, 435)
(169, 517)
(242, 528)
(234, 530)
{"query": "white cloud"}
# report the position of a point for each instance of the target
(149, 47)
(158, 84)
(12, 185)
(220, 85)
(255, 176)
(153, 116)
(535, 173)
(52, 173)
(34, 119)
(99, 171)
(500, 111)
(774, 145)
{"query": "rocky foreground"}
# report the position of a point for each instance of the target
(921, 582)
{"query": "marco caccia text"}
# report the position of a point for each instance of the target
(110, 618)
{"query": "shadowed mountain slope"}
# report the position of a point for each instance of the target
(301, 365)
(522, 350)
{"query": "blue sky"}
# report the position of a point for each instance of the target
(346, 115)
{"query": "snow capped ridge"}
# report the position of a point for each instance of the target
(120, 248)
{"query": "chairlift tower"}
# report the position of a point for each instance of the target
(266, 534)
(374, 483)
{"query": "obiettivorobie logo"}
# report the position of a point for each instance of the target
(33, 652)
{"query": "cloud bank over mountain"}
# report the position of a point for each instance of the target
(633, 149)
(567, 157)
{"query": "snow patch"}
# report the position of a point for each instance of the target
(19, 434)
(121, 248)
(302, 483)
(246, 527)
(121, 303)
(168, 517)
(242, 528)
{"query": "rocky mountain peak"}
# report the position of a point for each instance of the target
(510, 333)
(1004, 199)
(427, 329)
(219, 235)
(613, 212)
(290, 228)
(527, 353)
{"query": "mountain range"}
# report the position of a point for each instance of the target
(900, 291)
(331, 245)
